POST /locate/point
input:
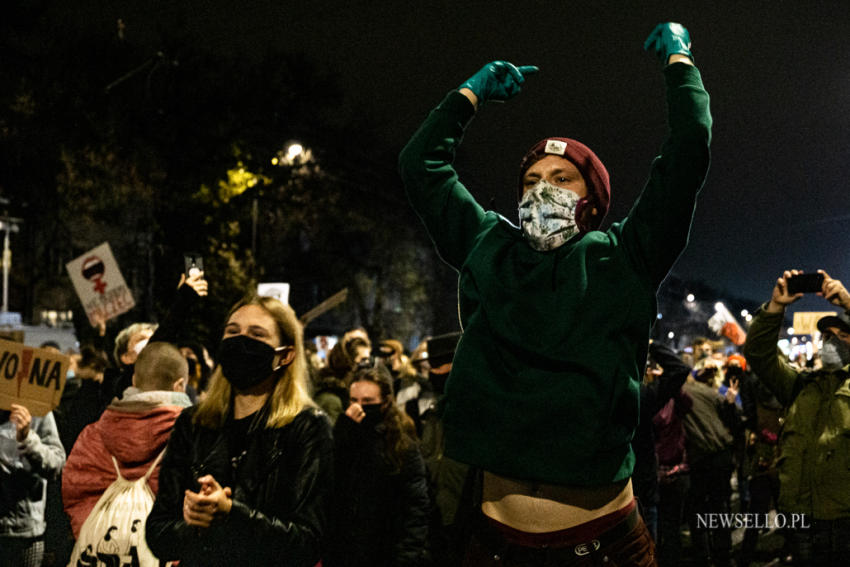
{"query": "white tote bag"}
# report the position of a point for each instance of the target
(114, 533)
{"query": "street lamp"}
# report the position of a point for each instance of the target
(7, 225)
(294, 150)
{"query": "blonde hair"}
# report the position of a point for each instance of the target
(122, 341)
(290, 394)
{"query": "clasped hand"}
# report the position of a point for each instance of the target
(201, 508)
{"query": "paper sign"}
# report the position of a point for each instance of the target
(279, 291)
(806, 322)
(31, 377)
(100, 285)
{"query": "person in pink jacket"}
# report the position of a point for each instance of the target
(133, 429)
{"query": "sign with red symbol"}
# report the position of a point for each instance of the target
(100, 285)
(31, 377)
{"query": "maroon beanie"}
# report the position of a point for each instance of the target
(591, 168)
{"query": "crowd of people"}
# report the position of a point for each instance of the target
(280, 457)
(550, 431)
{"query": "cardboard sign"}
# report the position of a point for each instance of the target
(31, 377)
(806, 322)
(100, 285)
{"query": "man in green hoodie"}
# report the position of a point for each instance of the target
(543, 394)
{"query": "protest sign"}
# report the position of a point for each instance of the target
(806, 322)
(100, 285)
(724, 323)
(31, 377)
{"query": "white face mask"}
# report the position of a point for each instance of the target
(547, 215)
(835, 354)
(137, 348)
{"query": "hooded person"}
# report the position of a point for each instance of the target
(134, 429)
(543, 393)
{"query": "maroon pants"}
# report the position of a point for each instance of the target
(626, 544)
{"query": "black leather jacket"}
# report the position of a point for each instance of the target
(281, 485)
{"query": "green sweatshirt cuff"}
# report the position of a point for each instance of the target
(681, 73)
(459, 105)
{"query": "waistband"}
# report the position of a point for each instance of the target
(583, 539)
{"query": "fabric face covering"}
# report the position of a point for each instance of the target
(547, 215)
(245, 362)
(835, 353)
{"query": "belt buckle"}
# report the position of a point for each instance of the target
(584, 548)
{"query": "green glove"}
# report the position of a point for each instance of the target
(498, 80)
(667, 39)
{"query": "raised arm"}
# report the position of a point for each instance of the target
(761, 350)
(451, 215)
(38, 442)
(656, 230)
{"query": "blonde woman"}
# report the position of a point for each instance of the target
(246, 478)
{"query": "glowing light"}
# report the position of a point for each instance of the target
(719, 306)
(293, 151)
(659, 316)
(671, 334)
(744, 312)
(275, 161)
(790, 330)
(690, 298)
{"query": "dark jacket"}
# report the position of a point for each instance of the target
(281, 494)
(653, 397)
(381, 511)
(708, 424)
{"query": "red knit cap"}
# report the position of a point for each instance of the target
(591, 168)
(741, 360)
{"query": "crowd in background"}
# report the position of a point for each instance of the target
(708, 442)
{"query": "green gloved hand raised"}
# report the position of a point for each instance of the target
(498, 80)
(668, 39)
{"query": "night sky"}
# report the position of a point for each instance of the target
(778, 74)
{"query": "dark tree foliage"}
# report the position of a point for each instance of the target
(161, 151)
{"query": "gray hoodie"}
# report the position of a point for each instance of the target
(24, 471)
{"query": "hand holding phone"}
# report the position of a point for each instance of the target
(805, 283)
(193, 262)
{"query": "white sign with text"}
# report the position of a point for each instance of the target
(100, 285)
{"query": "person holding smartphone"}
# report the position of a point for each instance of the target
(814, 466)
(544, 389)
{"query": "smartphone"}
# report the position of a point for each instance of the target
(805, 283)
(193, 263)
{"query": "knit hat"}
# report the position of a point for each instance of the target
(591, 168)
(742, 362)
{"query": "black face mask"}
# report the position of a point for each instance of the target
(245, 362)
(374, 414)
(735, 372)
(438, 381)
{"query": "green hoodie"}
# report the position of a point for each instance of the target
(545, 381)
